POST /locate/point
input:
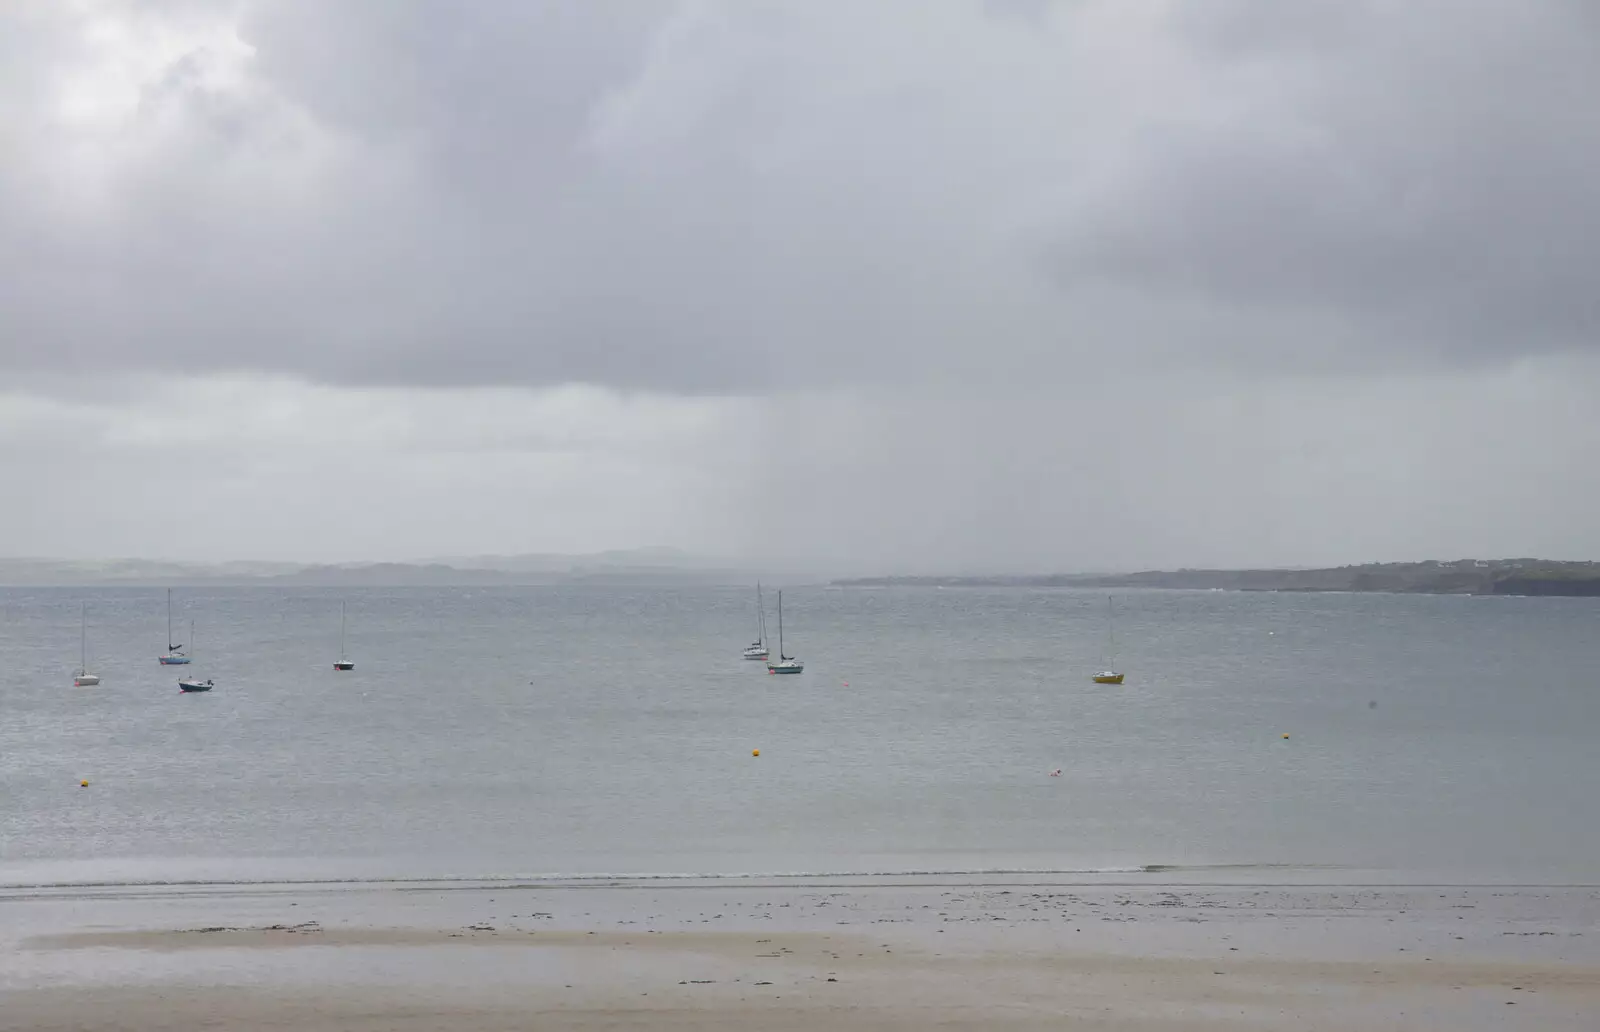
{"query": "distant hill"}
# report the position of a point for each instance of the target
(43, 572)
(647, 566)
(654, 558)
(644, 566)
(1434, 577)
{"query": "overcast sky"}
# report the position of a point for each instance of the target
(914, 285)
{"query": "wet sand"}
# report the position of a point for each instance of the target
(802, 956)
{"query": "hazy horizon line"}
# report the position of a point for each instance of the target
(707, 562)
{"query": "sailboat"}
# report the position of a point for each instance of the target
(174, 655)
(1110, 674)
(84, 679)
(194, 684)
(342, 663)
(785, 664)
(758, 648)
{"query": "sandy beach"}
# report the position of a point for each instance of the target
(800, 956)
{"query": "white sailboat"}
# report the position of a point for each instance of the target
(785, 664)
(342, 663)
(193, 683)
(1110, 675)
(758, 648)
(84, 679)
(174, 656)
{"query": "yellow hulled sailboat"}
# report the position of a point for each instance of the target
(1110, 675)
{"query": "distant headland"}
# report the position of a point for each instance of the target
(1431, 577)
(642, 566)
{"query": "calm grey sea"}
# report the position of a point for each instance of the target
(574, 731)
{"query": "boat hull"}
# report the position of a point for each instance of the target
(86, 680)
(1107, 678)
(786, 668)
(763, 654)
(195, 686)
(174, 660)
(344, 664)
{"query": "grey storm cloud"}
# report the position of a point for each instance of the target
(739, 197)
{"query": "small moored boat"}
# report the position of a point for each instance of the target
(342, 663)
(196, 686)
(1110, 675)
(785, 664)
(174, 656)
(758, 648)
(83, 678)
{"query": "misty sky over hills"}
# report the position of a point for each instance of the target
(918, 285)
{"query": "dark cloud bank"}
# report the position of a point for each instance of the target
(748, 197)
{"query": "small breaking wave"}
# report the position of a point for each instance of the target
(599, 878)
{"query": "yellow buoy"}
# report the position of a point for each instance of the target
(1286, 736)
(755, 752)
(83, 784)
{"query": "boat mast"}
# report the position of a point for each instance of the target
(341, 631)
(83, 638)
(1111, 633)
(169, 619)
(761, 618)
(781, 656)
